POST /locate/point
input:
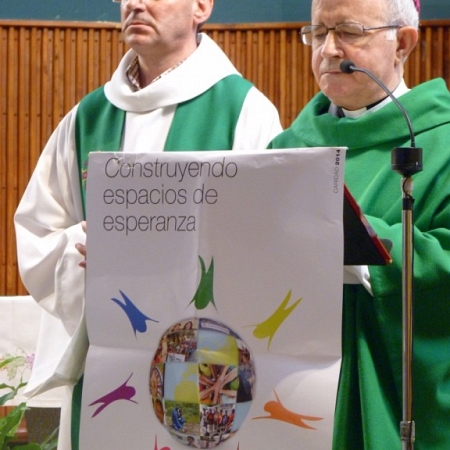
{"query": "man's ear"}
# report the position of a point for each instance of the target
(407, 38)
(202, 10)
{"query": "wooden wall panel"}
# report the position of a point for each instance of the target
(46, 67)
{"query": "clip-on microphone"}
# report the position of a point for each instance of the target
(407, 161)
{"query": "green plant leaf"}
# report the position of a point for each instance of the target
(6, 386)
(8, 396)
(52, 441)
(10, 423)
(7, 361)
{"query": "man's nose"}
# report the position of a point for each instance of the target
(132, 3)
(332, 46)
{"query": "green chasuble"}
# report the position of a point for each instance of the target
(206, 122)
(369, 402)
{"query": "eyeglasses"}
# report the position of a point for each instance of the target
(349, 33)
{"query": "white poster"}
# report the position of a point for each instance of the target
(214, 289)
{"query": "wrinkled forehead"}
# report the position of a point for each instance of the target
(348, 10)
(355, 4)
(319, 3)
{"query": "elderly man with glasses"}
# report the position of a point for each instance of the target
(352, 110)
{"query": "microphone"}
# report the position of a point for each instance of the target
(347, 66)
(405, 160)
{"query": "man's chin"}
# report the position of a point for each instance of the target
(137, 32)
(136, 40)
(336, 93)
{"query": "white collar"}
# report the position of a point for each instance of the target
(207, 65)
(400, 90)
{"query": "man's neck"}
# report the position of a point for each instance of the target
(152, 66)
(342, 112)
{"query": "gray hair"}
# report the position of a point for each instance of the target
(402, 13)
(397, 12)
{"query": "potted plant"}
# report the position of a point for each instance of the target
(15, 366)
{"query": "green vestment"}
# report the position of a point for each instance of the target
(369, 402)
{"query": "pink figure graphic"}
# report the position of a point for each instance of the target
(162, 448)
(123, 392)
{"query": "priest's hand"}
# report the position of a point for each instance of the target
(82, 248)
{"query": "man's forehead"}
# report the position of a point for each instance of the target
(317, 3)
(348, 4)
(347, 10)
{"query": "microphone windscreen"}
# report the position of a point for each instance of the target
(346, 66)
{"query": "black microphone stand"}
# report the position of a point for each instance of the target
(407, 161)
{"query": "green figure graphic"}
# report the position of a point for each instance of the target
(205, 291)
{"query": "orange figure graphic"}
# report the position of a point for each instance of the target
(269, 327)
(278, 412)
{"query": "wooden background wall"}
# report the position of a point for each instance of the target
(46, 67)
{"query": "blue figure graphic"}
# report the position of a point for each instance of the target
(136, 317)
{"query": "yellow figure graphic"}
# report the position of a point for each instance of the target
(278, 412)
(269, 327)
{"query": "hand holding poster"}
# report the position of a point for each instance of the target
(213, 300)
